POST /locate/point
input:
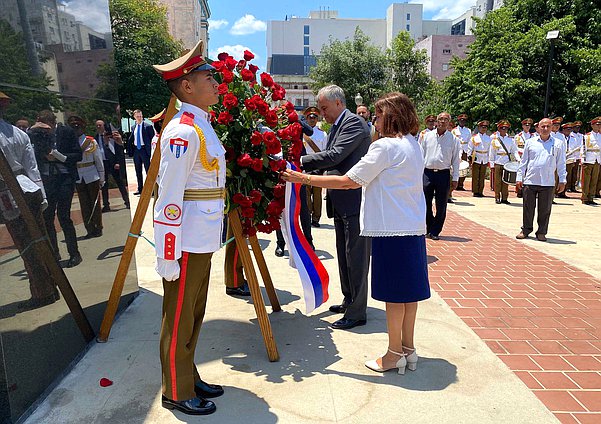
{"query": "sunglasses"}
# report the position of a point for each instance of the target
(484, 126)
(527, 125)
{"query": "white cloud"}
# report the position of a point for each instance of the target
(236, 51)
(247, 24)
(446, 9)
(94, 14)
(217, 23)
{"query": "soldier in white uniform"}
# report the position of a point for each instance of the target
(464, 134)
(314, 144)
(520, 141)
(502, 151)
(430, 125)
(591, 160)
(566, 131)
(91, 178)
(188, 217)
(477, 150)
(574, 145)
(576, 181)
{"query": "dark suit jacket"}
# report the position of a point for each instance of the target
(344, 149)
(112, 158)
(66, 143)
(147, 134)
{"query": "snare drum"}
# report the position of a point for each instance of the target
(464, 168)
(510, 172)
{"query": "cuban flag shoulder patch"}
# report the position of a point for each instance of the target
(178, 146)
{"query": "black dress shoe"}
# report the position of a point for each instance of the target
(347, 323)
(498, 201)
(137, 193)
(206, 390)
(505, 202)
(338, 309)
(279, 252)
(73, 261)
(106, 208)
(315, 224)
(433, 237)
(194, 406)
(243, 290)
(450, 201)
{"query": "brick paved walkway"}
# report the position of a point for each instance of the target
(541, 316)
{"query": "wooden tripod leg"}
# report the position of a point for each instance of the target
(273, 297)
(253, 285)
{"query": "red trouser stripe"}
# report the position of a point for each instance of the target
(178, 313)
(235, 266)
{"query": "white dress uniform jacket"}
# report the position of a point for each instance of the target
(190, 226)
(464, 134)
(479, 146)
(591, 148)
(520, 140)
(422, 134)
(320, 138)
(91, 167)
(574, 147)
(498, 154)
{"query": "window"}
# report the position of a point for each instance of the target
(296, 87)
(446, 51)
(306, 41)
(445, 66)
(297, 102)
(306, 51)
(408, 16)
(306, 30)
(305, 103)
(408, 27)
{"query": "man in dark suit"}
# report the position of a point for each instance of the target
(348, 142)
(110, 144)
(139, 146)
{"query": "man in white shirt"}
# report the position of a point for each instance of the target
(314, 144)
(575, 179)
(441, 155)
(591, 160)
(477, 152)
(430, 125)
(502, 151)
(464, 134)
(543, 156)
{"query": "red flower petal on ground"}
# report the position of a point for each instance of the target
(105, 382)
(248, 55)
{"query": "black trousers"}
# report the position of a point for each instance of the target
(141, 157)
(305, 220)
(109, 169)
(59, 193)
(436, 186)
(545, 197)
(353, 252)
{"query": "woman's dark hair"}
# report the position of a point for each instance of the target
(398, 115)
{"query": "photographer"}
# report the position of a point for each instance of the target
(111, 147)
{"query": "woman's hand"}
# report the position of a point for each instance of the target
(293, 176)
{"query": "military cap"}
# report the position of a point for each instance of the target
(3, 96)
(596, 121)
(528, 121)
(312, 110)
(557, 120)
(567, 125)
(430, 118)
(462, 116)
(159, 116)
(484, 123)
(190, 61)
(75, 120)
(503, 123)
(577, 123)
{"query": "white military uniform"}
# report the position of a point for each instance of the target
(591, 148)
(193, 226)
(574, 147)
(520, 141)
(319, 137)
(422, 134)
(91, 167)
(497, 154)
(479, 146)
(464, 134)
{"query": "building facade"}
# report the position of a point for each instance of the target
(440, 50)
(188, 21)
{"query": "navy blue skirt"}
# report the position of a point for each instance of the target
(399, 269)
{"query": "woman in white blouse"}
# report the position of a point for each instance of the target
(393, 214)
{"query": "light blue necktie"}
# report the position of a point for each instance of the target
(139, 141)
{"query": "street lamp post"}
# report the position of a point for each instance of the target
(358, 100)
(551, 36)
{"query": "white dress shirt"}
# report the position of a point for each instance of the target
(540, 161)
(463, 134)
(442, 152)
(391, 173)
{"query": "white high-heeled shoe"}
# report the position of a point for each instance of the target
(411, 357)
(401, 364)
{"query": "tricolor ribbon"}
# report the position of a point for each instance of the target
(313, 275)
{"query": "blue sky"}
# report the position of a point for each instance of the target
(239, 24)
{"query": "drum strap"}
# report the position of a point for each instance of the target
(504, 148)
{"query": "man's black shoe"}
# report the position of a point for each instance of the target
(449, 200)
(338, 309)
(106, 208)
(73, 261)
(315, 224)
(194, 406)
(505, 202)
(93, 234)
(33, 303)
(127, 206)
(498, 201)
(562, 196)
(279, 252)
(433, 237)
(460, 189)
(243, 290)
(206, 390)
(347, 323)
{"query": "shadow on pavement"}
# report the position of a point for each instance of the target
(463, 203)
(455, 239)
(559, 241)
(432, 259)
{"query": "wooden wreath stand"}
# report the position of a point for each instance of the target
(241, 243)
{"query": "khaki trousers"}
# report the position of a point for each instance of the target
(590, 175)
(571, 170)
(184, 304)
(89, 195)
(233, 264)
(501, 189)
(314, 202)
(478, 177)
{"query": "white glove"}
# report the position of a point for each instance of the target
(169, 270)
(58, 155)
(44, 204)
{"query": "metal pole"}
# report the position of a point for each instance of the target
(548, 94)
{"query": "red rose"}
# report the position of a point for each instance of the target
(238, 198)
(228, 76)
(244, 160)
(225, 118)
(250, 104)
(248, 55)
(292, 117)
(230, 101)
(252, 68)
(218, 65)
(257, 165)
(266, 80)
(274, 208)
(289, 107)
(284, 134)
(231, 63)
(273, 148)
(256, 138)
(222, 88)
(296, 130)
(276, 225)
(213, 116)
(279, 191)
(248, 212)
(262, 106)
(251, 231)
(255, 196)
(222, 56)
(269, 137)
(247, 75)
(271, 119)
(277, 165)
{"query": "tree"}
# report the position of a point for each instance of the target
(408, 68)
(141, 38)
(505, 72)
(354, 65)
(28, 101)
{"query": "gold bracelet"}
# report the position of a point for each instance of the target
(308, 180)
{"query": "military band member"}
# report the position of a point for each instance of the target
(565, 130)
(591, 159)
(478, 150)
(574, 145)
(520, 140)
(314, 144)
(463, 134)
(430, 125)
(188, 218)
(502, 151)
(91, 178)
(576, 181)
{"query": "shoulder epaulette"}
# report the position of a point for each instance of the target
(187, 119)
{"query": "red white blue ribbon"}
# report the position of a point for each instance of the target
(313, 275)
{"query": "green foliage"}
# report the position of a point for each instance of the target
(25, 103)
(408, 68)
(141, 38)
(505, 72)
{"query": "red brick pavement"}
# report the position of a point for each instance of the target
(541, 316)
